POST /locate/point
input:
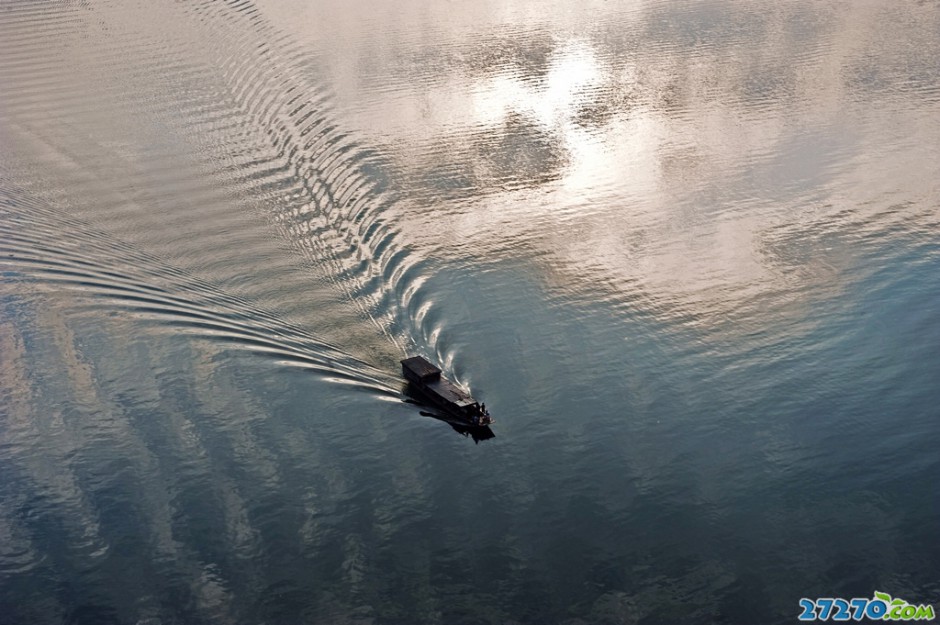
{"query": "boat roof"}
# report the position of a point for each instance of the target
(420, 366)
(451, 392)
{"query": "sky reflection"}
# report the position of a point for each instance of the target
(655, 146)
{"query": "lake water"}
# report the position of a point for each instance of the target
(688, 253)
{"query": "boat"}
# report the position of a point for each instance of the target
(444, 394)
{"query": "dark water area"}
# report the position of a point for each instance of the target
(688, 253)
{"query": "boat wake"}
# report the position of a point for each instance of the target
(234, 109)
(100, 272)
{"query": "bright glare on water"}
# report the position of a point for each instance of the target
(688, 253)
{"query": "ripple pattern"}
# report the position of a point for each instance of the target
(686, 250)
(258, 121)
(162, 293)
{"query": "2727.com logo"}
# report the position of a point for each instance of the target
(882, 607)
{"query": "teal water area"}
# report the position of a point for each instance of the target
(687, 254)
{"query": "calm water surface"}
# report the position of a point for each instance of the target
(688, 253)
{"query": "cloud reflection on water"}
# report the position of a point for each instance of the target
(659, 147)
(695, 161)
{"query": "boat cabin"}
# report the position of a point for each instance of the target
(419, 370)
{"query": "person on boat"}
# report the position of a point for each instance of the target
(483, 408)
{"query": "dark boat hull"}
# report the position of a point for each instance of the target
(446, 410)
